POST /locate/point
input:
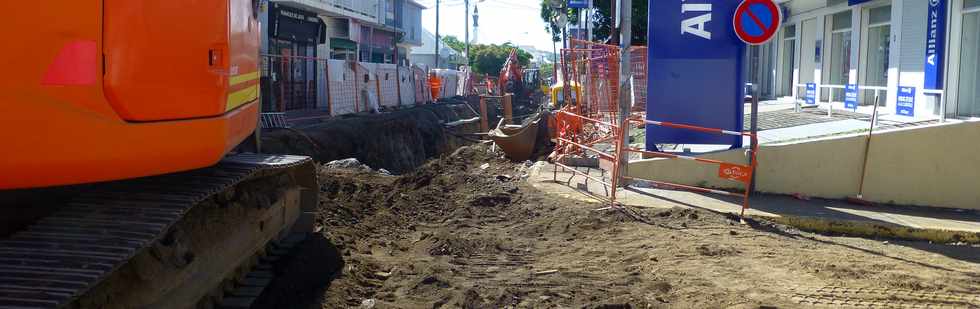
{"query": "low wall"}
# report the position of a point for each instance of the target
(935, 166)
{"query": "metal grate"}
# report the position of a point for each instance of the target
(274, 121)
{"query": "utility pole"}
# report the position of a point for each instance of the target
(437, 34)
(613, 26)
(466, 24)
(625, 73)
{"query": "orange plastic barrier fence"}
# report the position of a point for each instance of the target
(590, 126)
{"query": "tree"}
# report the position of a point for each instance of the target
(490, 58)
(547, 70)
(454, 43)
(603, 20)
(551, 17)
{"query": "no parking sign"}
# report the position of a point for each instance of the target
(757, 21)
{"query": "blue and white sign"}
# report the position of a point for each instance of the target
(935, 44)
(578, 4)
(694, 72)
(856, 2)
(906, 101)
(851, 96)
(811, 93)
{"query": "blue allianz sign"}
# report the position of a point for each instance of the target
(906, 101)
(851, 96)
(856, 2)
(811, 93)
(935, 44)
(578, 4)
(694, 72)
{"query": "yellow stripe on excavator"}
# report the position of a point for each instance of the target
(241, 97)
(243, 78)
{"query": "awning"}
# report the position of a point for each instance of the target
(342, 43)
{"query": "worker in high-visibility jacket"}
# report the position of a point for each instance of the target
(435, 85)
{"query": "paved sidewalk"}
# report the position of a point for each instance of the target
(762, 205)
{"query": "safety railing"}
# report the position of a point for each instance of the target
(831, 88)
(289, 83)
(591, 127)
(726, 170)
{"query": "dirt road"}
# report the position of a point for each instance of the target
(460, 234)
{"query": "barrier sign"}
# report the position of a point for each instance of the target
(735, 172)
(811, 93)
(906, 101)
(935, 44)
(694, 71)
(851, 96)
(757, 21)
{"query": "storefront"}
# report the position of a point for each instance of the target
(290, 42)
(964, 74)
(930, 46)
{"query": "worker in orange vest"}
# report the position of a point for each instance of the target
(435, 85)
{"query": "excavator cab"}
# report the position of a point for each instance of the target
(558, 94)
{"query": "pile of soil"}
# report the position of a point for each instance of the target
(465, 231)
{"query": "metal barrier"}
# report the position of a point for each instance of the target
(638, 61)
(289, 83)
(726, 170)
(798, 102)
(592, 127)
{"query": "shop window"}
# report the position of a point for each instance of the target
(879, 47)
(971, 4)
(840, 52)
(788, 59)
(968, 104)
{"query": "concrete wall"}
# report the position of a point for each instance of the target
(935, 166)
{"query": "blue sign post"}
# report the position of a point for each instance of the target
(695, 71)
(906, 101)
(851, 96)
(578, 4)
(935, 44)
(811, 93)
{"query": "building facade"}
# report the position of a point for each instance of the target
(299, 35)
(928, 49)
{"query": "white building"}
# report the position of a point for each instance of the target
(875, 43)
(425, 55)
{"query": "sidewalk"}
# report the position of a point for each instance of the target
(761, 205)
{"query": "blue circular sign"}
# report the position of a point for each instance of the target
(757, 21)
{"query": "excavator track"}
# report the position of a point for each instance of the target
(58, 261)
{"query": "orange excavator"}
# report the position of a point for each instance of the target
(134, 112)
(511, 75)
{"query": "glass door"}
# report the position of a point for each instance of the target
(968, 96)
(788, 60)
(879, 47)
(840, 53)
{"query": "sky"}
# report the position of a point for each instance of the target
(501, 21)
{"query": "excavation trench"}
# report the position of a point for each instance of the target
(465, 230)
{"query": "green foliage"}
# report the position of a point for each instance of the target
(454, 43)
(547, 71)
(550, 16)
(490, 58)
(602, 21)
